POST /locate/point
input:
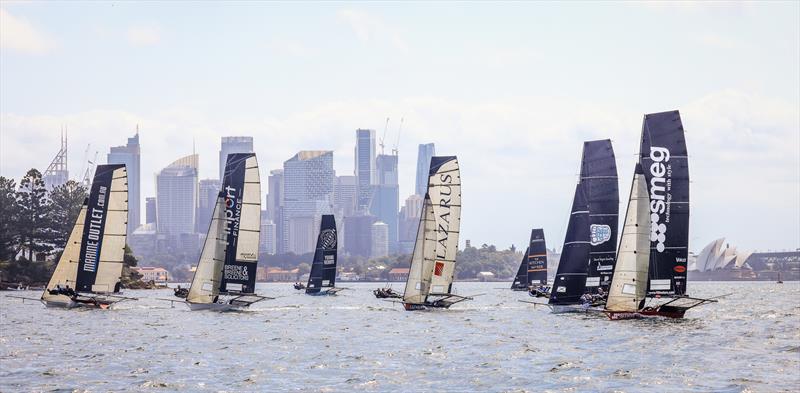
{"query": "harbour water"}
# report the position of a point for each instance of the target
(749, 341)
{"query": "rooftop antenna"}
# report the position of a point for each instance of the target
(384, 135)
(397, 142)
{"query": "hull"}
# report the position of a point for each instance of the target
(618, 316)
(414, 306)
(73, 304)
(571, 308)
(327, 292)
(214, 306)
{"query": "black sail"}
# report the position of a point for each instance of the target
(94, 227)
(663, 157)
(238, 275)
(537, 258)
(323, 270)
(521, 279)
(599, 179)
(570, 281)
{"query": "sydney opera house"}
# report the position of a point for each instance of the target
(721, 261)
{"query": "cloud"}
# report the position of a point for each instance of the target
(371, 28)
(291, 47)
(20, 35)
(519, 157)
(143, 35)
(718, 41)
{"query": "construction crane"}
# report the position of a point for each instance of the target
(397, 142)
(380, 143)
(90, 166)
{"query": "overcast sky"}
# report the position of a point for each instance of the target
(511, 88)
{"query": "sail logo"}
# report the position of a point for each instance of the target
(94, 239)
(444, 222)
(659, 196)
(599, 234)
(327, 239)
(236, 273)
(438, 269)
(233, 212)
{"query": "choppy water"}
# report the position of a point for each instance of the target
(749, 341)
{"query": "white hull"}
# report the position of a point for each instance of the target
(67, 305)
(572, 308)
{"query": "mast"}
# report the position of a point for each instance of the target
(629, 283)
(323, 269)
(570, 281)
(663, 157)
(102, 247)
(421, 270)
(599, 178)
(241, 228)
(444, 190)
(537, 258)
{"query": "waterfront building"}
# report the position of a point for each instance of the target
(159, 275)
(130, 155)
(233, 144)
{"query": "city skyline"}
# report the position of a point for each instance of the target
(517, 127)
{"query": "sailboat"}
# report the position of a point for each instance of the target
(226, 273)
(569, 285)
(322, 279)
(89, 271)
(650, 275)
(600, 184)
(532, 272)
(430, 278)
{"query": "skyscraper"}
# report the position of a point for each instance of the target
(130, 155)
(209, 189)
(365, 172)
(386, 197)
(233, 144)
(150, 210)
(267, 244)
(57, 172)
(177, 197)
(409, 222)
(380, 241)
(345, 194)
(426, 151)
(274, 194)
(308, 179)
(358, 234)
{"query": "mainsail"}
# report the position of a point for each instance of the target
(570, 281)
(629, 284)
(93, 256)
(533, 268)
(323, 269)
(599, 179)
(444, 190)
(664, 161)
(434, 258)
(229, 257)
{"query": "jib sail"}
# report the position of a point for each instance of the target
(418, 283)
(664, 161)
(323, 269)
(241, 227)
(599, 179)
(570, 281)
(629, 284)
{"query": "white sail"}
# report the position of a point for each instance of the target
(419, 275)
(444, 189)
(629, 284)
(250, 223)
(207, 276)
(67, 267)
(109, 269)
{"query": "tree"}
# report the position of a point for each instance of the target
(8, 218)
(129, 259)
(33, 219)
(66, 201)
